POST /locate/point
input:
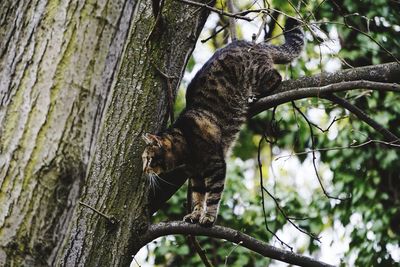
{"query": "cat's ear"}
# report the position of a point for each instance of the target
(151, 139)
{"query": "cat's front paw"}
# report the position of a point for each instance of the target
(207, 220)
(192, 217)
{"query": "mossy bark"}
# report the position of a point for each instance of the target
(69, 129)
(57, 63)
(138, 104)
(57, 60)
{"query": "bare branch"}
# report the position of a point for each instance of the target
(183, 228)
(216, 10)
(389, 136)
(263, 197)
(215, 33)
(110, 219)
(238, 15)
(314, 158)
(200, 251)
(137, 263)
(330, 124)
(354, 144)
(345, 16)
(230, 252)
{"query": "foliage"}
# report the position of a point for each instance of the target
(367, 224)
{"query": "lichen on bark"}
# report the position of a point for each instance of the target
(56, 68)
(114, 185)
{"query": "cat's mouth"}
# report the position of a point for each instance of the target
(152, 171)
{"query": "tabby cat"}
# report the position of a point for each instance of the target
(217, 100)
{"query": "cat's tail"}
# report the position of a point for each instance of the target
(294, 42)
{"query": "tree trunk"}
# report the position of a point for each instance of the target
(56, 68)
(57, 64)
(58, 61)
(138, 104)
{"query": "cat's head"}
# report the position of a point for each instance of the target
(157, 156)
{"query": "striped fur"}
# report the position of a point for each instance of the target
(217, 104)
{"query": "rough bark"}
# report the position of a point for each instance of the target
(57, 62)
(114, 185)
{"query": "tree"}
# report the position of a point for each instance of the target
(80, 83)
(70, 125)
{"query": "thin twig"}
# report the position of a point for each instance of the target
(263, 188)
(351, 146)
(215, 33)
(264, 22)
(230, 252)
(289, 219)
(389, 136)
(271, 25)
(245, 12)
(329, 126)
(346, 24)
(200, 251)
(313, 11)
(110, 219)
(238, 15)
(314, 159)
(216, 10)
(263, 197)
(137, 263)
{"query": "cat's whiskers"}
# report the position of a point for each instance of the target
(154, 179)
(165, 181)
(151, 181)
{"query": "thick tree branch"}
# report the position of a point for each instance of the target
(294, 94)
(374, 77)
(389, 73)
(183, 228)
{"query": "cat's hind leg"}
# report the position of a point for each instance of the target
(197, 206)
(215, 182)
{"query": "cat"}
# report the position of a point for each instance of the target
(217, 102)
